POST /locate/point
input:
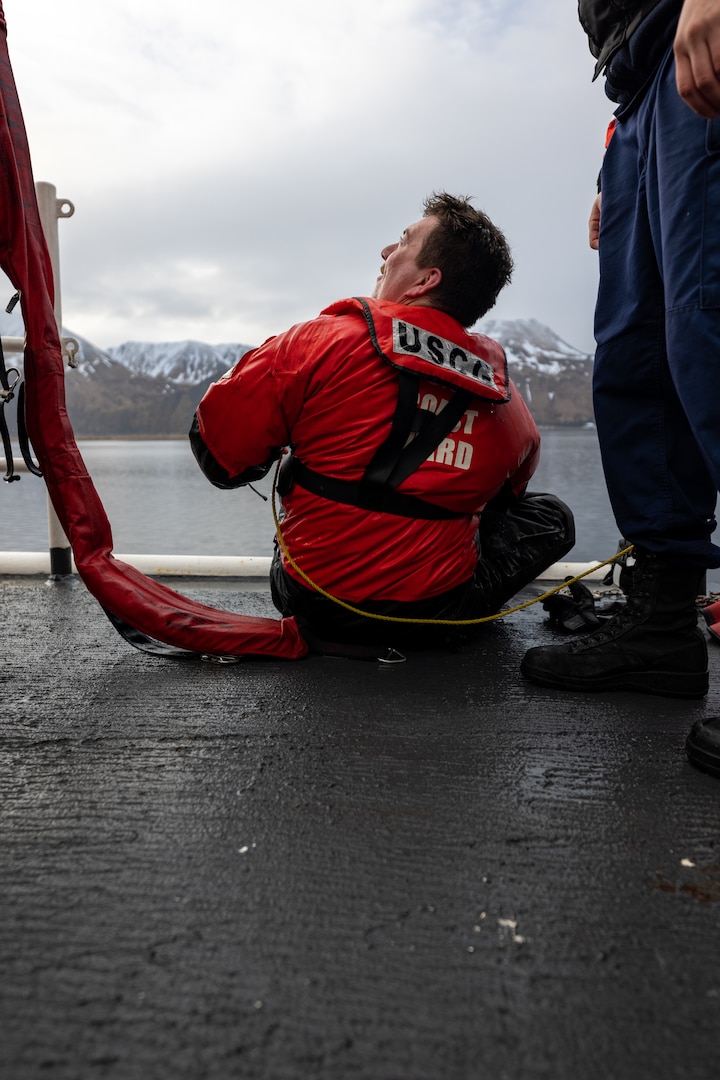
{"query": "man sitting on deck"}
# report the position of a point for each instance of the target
(404, 492)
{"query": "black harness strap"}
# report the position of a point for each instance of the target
(23, 438)
(7, 393)
(398, 457)
(433, 427)
(388, 454)
(383, 500)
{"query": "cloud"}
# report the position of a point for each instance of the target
(234, 171)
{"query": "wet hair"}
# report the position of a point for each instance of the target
(472, 254)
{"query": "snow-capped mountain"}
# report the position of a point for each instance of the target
(184, 363)
(554, 378)
(530, 346)
(142, 388)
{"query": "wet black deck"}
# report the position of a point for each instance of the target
(335, 869)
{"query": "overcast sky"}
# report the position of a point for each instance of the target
(237, 166)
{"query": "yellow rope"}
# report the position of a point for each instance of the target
(425, 622)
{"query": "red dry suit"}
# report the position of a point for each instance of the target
(328, 388)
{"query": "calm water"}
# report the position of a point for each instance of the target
(158, 501)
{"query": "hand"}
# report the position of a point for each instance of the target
(697, 56)
(594, 223)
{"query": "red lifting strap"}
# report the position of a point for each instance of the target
(134, 602)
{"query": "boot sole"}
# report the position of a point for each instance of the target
(679, 684)
(702, 745)
(706, 762)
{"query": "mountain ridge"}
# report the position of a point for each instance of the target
(152, 389)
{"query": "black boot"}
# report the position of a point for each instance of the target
(653, 645)
(703, 745)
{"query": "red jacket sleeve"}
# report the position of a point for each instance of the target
(246, 417)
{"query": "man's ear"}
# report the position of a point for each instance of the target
(430, 278)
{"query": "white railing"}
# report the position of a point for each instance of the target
(13, 344)
(28, 563)
(35, 563)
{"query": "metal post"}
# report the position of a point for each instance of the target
(51, 208)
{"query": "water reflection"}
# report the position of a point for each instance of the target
(570, 467)
(158, 501)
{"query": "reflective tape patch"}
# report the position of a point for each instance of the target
(411, 340)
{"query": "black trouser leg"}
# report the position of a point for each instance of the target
(516, 544)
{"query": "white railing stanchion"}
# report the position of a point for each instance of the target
(51, 208)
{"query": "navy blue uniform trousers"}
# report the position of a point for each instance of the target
(657, 324)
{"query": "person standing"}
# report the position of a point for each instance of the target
(656, 225)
